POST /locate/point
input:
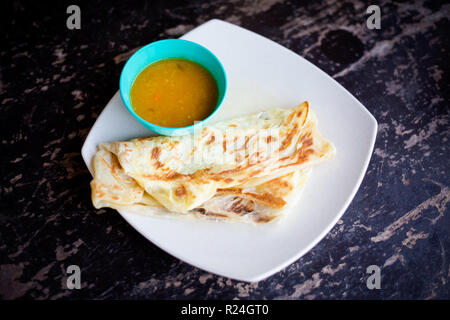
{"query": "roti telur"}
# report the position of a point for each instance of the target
(246, 169)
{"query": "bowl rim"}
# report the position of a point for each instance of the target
(158, 42)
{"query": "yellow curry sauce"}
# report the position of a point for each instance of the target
(174, 93)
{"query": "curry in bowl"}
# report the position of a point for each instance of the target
(174, 93)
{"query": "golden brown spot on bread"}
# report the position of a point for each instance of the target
(172, 175)
(290, 117)
(269, 139)
(307, 142)
(266, 198)
(230, 190)
(113, 166)
(247, 139)
(303, 107)
(217, 215)
(180, 191)
(106, 163)
(97, 188)
(211, 139)
(254, 173)
(156, 152)
(262, 218)
(279, 183)
(269, 199)
(203, 211)
(253, 158)
(302, 156)
(287, 141)
(241, 206)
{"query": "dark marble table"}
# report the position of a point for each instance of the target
(54, 83)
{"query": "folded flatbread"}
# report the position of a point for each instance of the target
(245, 169)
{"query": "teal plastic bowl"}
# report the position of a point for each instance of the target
(167, 49)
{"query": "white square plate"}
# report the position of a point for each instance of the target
(261, 75)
